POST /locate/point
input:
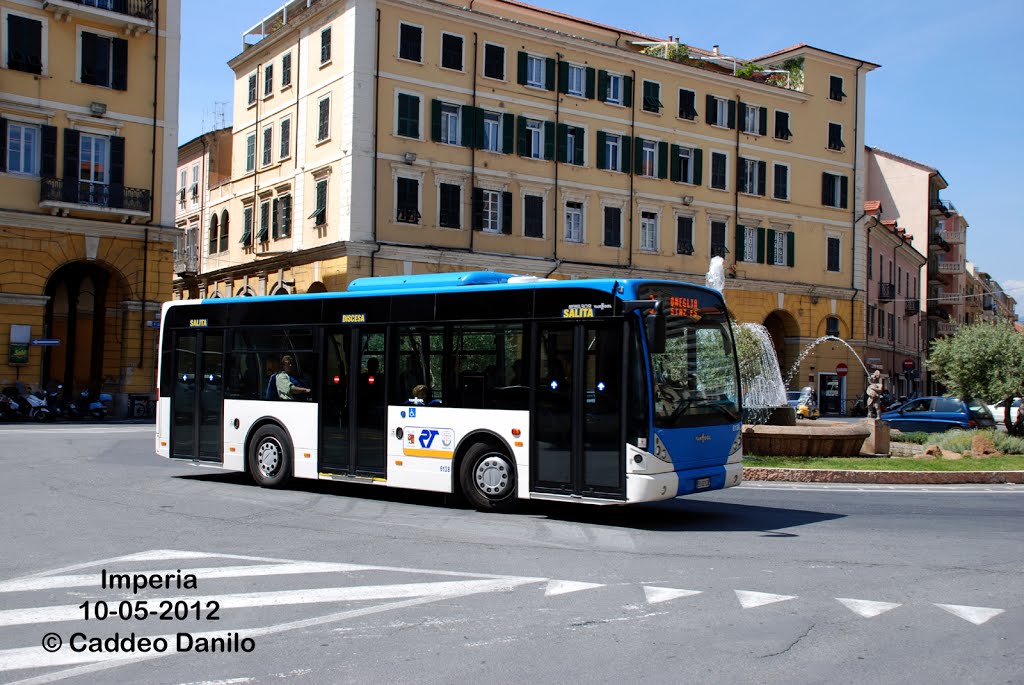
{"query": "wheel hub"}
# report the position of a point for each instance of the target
(268, 456)
(492, 476)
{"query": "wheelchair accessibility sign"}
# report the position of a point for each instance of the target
(438, 443)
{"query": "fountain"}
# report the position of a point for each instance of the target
(770, 424)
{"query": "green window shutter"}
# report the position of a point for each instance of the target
(627, 149)
(563, 77)
(662, 160)
(762, 121)
(790, 248)
(602, 85)
(674, 162)
(467, 115)
(627, 91)
(523, 143)
(732, 114)
(275, 227)
(521, 74)
(563, 139)
(638, 155)
(478, 116)
(589, 92)
(741, 178)
(711, 115)
(843, 192)
(435, 121)
(508, 133)
(506, 213)
(740, 238)
(770, 256)
(698, 166)
(602, 139)
(762, 173)
(826, 188)
(549, 140)
(478, 209)
(549, 73)
(742, 115)
(760, 244)
(578, 152)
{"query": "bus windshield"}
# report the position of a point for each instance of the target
(694, 379)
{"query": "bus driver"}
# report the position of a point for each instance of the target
(287, 384)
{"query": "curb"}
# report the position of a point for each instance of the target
(883, 477)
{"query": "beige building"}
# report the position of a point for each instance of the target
(88, 128)
(430, 136)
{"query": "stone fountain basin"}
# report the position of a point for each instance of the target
(817, 439)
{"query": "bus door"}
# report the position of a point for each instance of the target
(578, 426)
(198, 395)
(353, 418)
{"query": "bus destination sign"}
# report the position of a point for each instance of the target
(683, 306)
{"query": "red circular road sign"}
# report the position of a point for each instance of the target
(909, 364)
(841, 369)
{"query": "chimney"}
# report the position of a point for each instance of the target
(714, 49)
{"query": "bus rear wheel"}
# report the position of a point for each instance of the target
(270, 457)
(488, 478)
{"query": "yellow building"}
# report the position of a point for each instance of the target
(88, 129)
(390, 137)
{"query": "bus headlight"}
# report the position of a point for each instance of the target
(660, 452)
(737, 444)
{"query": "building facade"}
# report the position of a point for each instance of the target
(430, 137)
(88, 128)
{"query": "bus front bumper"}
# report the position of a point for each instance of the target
(660, 486)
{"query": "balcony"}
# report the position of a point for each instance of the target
(938, 206)
(948, 299)
(114, 198)
(951, 267)
(134, 15)
(946, 328)
(937, 240)
(886, 292)
(185, 266)
(286, 14)
(954, 237)
(912, 307)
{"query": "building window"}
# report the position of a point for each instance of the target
(613, 93)
(611, 148)
(718, 231)
(574, 222)
(577, 80)
(250, 152)
(213, 242)
(835, 88)
(779, 247)
(649, 158)
(534, 139)
(283, 217)
(195, 184)
(319, 214)
(223, 231)
(491, 211)
(493, 133)
(684, 235)
(494, 61)
(94, 165)
(252, 89)
(407, 205)
(721, 112)
(286, 70)
(408, 115)
(752, 176)
(834, 190)
(780, 187)
(833, 253)
(104, 61)
(449, 205)
(718, 170)
(649, 231)
(246, 238)
(181, 187)
(533, 216)
(536, 72)
(325, 46)
(686, 163)
(570, 144)
(264, 234)
(410, 42)
(687, 104)
(450, 127)
(613, 226)
(268, 80)
(782, 131)
(870, 262)
(323, 128)
(652, 97)
(268, 146)
(871, 319)
(451, 51)
(285, 150)
(749, 234)
(22, 148)
(832, 326)
(835, 136)
(24, 44)
(881, 324)
(753, 119)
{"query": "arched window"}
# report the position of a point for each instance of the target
(245, 291)
(224, 231)
(317, 287)
(213, 234)
(280, 289)
(832, 326)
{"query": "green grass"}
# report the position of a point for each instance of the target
(1004, 463)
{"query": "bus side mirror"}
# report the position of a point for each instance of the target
(655, 323)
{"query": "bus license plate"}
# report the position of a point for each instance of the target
(703, 483)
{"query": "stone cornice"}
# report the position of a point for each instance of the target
(89, 227)
(24, 300)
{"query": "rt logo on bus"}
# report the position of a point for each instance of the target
(427, 437)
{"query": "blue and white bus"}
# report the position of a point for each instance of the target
(486, 385)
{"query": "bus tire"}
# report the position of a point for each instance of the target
(270, 457)
(488, 478)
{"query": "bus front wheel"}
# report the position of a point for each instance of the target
(488, 478)
(270, 457)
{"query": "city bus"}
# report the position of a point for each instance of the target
(488, 386)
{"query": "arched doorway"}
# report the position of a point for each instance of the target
(317, 287)
(81, 312)
(783, 327)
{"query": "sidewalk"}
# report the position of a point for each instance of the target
(883, 477)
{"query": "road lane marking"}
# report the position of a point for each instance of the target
(749, 599)
(867, 608)
(561, 587)
(655, 595)
(976, 615)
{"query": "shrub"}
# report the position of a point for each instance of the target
(956, 441)
(1008, 444)
(917, 437)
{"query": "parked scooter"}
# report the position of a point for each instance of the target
(10, 410)
(97, 407)
(32, 404)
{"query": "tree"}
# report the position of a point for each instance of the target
(983, 361)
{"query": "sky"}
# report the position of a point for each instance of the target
(948, 93)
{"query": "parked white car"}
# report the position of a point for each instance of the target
(998, 411)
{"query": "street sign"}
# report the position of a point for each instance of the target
(909, 364)
(155, 323)
(46, 341)
(841, 369)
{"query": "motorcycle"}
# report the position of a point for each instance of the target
(806, 407)
(10, 410)
(86, 405)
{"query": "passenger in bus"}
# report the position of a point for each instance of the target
(420, 395)
(288, 387)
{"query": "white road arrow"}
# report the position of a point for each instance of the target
(976, 615)
(664, 594)
(867, 608)
(749, 600)
(561, 587)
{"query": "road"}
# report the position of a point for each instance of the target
(335, 584)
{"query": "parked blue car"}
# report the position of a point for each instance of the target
(938, 414)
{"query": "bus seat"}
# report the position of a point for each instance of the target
(271, 391)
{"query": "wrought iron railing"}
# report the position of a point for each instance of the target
(886, 292)
(912, 307)
(719, 250)
(143, 9)
(113, 196)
